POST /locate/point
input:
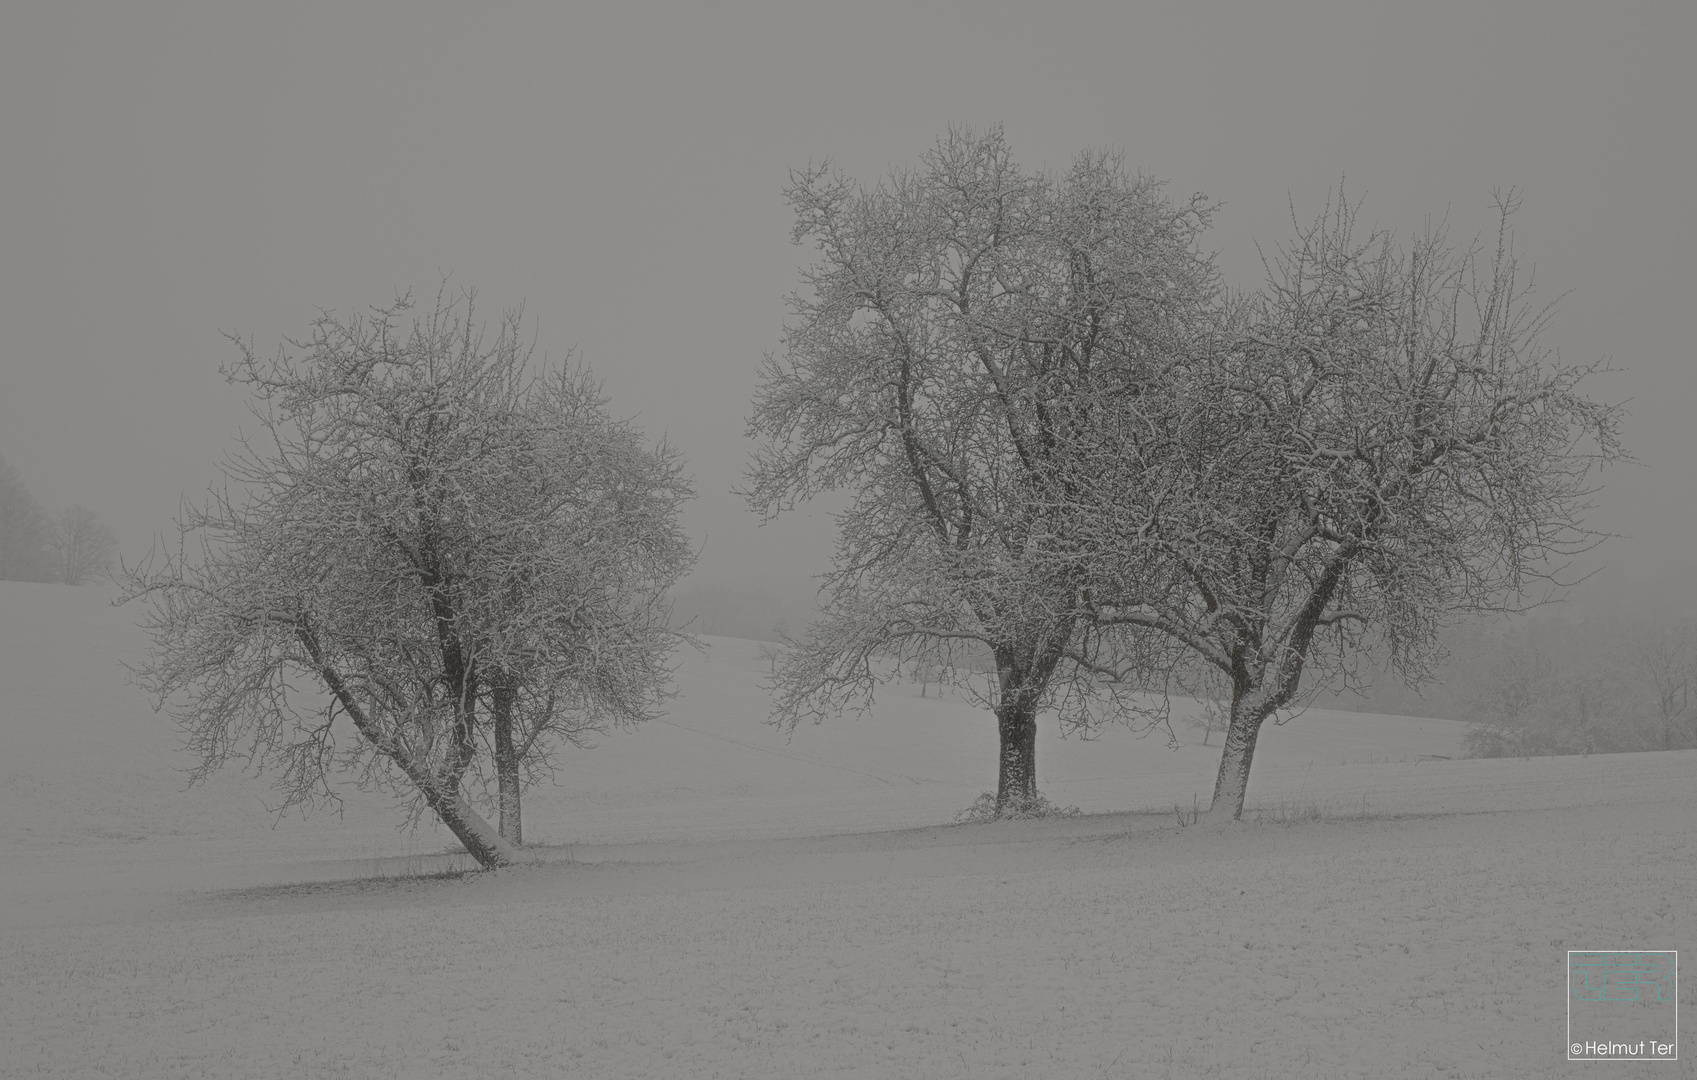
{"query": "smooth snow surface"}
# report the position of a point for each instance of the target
(714, 900)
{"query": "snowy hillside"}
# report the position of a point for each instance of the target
(91, 768)
(719, 900)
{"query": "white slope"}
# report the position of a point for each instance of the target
(91, 775)
(717, 902)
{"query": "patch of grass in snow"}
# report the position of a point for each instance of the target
(1288, 811)
(379, 880)
(984, 809)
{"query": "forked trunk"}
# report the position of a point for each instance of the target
(1016, 780)
(507, 767)
(441, 791)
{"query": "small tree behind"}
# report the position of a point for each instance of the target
(1208, 717)
(571, 596)
(464, 561)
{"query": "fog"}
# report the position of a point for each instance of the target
(174, 171)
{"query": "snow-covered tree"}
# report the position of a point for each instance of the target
(1374, 444)
(465, 562)
(962, 320)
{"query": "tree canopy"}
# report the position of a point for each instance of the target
(963, 322)
(1077, 462)
(1374, 444)
(467, 562)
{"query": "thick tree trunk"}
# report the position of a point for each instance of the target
(507, 767)
(1022, 674)
(1248, 713)
(1016, 780)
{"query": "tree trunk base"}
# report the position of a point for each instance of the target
(480, 839)
(1236, 756)
(1016, 779)
(1218, 816)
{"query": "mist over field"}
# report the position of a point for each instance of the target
(713, 897)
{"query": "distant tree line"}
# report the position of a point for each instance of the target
(1613, 675)
(70, 547)
(1581, 685)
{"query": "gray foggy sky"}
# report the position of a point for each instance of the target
(170, 170)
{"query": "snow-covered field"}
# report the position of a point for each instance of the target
(718, 901)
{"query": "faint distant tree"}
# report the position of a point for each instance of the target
(771, 649)
(25, 530)
(468, 563)
(82, 546)
(1208, 718)
(1511, 709)
(1375, 443)
(1665, 659)
(928, 674)
(961, 321)
(1595, 700)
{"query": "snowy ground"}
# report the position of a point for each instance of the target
(717, 901)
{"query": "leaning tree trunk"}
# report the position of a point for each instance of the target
(1248, 712)
(443, 795)
(507, 767)
(483, 842)
(441, 791)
